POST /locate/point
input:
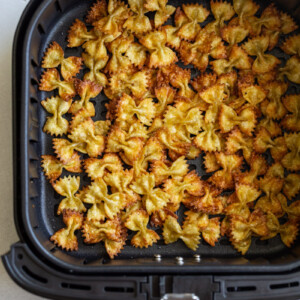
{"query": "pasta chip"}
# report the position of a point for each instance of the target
(138, 22)
(97, 168)
(165, 96)
(244, 10)
(263, 141)
(288, 231)
(161, 55)
(291, 70)
(233, 34)
(112, 24)
(177, 170)
(86, 90)
(270, 125)
(236, 141)
(210, 162)
(97, 11)
(172, 231)
(53, 167)
(288, 25)
(291, 185)
(209, 139)
(84, 133)
(129, 83)
(153, 198)
(65, 237)
(237, 58)
(54, 56)
(210, 202)
(104, 205)
(254, 94)
(245, 120)
(144, 237)
(195, 14)
(78, 34)
(56, 124)
(67, 187)
(163, 11)
(291, 121)
(291, 45)
(130, 148)
(137, 55)
(230, 163)
(257, 46)
(50, 81)
(291, 160)
(241, 229)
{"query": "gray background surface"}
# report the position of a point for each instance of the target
(11, 11)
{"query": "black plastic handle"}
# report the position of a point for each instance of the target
(35, 276)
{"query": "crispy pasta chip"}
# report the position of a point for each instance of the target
(264, 62)
(198, 52)
(195, 14)
(291, 185)
(230, 163)
(272, 106)
(244, 10)
(233, 34)
(53, 167)
(50, 81)
(56, 124)
(254, 94)
(210, 202)
(97, 168)
(236, 141)
(237, 58)
(54, 56)
(129, 148)
(270, 125)
(137, 55)
(129, 83)
(112, 24)
(288, 231)
(138, 221)
(291, 45)
(97, 11)
(163, 11)
(172, 231)
(67, 187)
(161, 55)
(165, 96)
(241, 229)
(291, 160)
(78, 34)
(65, 237)
(291, 70)
(263, 141)
(86, 90)
(138, 22)
(111, 232)
(258, 166)
(177, 170)
(291, 121)
(245, 120)
(288, 25)
(210, 162)
(127, 109)
(153, 198)
(209, 139)
(104, 205)
(84, 133)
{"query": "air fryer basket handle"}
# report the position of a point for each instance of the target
(34, 275)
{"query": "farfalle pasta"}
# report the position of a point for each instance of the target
(205, 90)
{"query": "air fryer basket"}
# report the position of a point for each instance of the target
(36, 201)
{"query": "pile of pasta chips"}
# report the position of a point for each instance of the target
(236, 114)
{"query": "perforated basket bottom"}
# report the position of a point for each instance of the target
(46, 200)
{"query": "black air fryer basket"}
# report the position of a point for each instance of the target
(268, 271)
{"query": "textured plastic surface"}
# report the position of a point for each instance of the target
(36, 201)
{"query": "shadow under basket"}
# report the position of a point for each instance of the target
(268, 271)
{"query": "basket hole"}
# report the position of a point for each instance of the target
(36, 227)
(33, 63)
(57, 6)
(224, 242)
(75, 286)
(34, 82)
(41, 29)
(34, 276)
(241, 288)
(20, 256)
(116, 289)
(284, 285)
(33, 100)
(192, 167)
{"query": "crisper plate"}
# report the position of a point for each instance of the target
(36, 201)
